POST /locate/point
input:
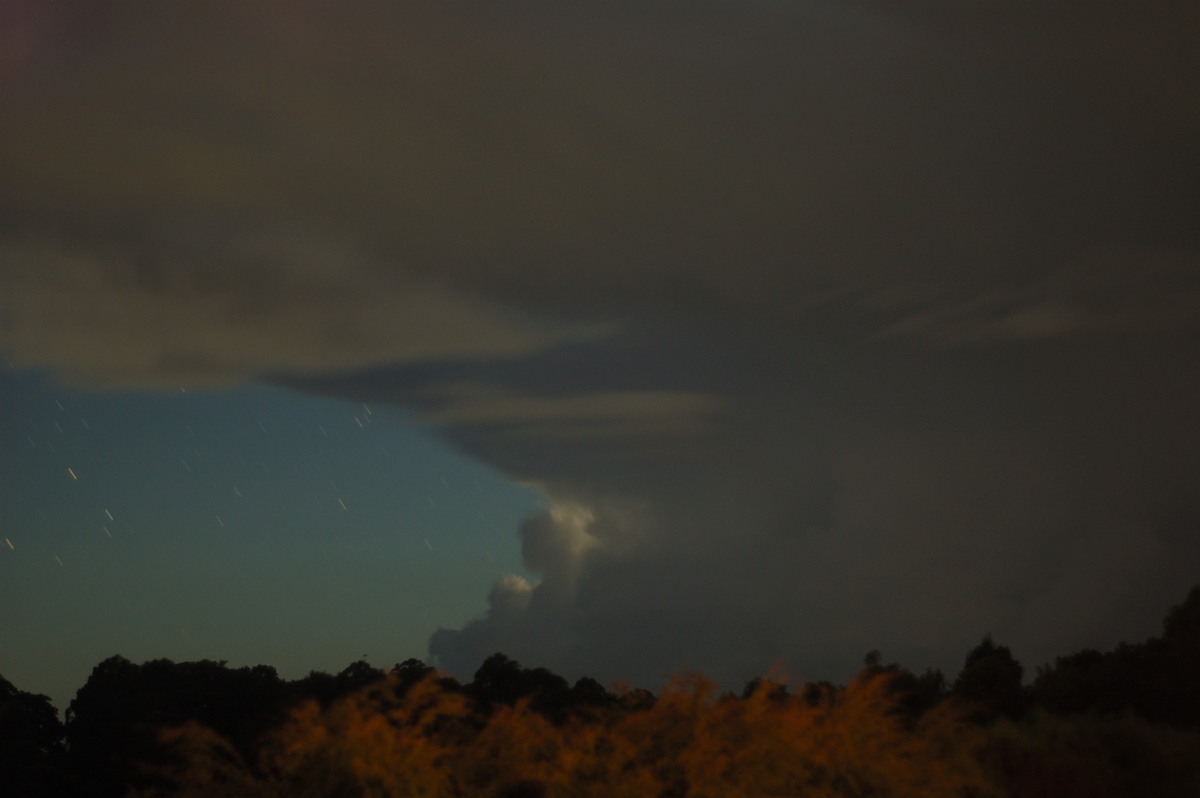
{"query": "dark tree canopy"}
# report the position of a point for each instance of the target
(111, 738)
(991, 677)
(31, 746)
(1181, 627)
(1155, 680)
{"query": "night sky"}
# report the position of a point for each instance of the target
(618, 337)
(254, 525)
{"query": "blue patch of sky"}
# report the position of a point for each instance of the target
(253, 524)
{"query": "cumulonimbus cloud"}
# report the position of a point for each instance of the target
(839, 325)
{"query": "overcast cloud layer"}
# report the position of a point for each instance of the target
(826, 326)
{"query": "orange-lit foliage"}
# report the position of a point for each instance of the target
(375, 742)
(384, 742)
(852, 743)
(202, 763)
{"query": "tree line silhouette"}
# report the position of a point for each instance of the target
(1120, 723)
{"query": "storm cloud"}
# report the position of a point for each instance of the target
(822, 326)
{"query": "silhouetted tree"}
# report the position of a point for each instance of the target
(818, 693)
(991, 678)
(318, 685)
(775, 690)
(162, 729)
(549, 693)
(916, 695)
(589, 692)
(113, 721)
(1181, 627)
(637, 699)
(498, 680)
(357, 675)
(31, 744)
(1177, 688)
(1079, 682)
(411, 671)
(501, 680)
(1155, 680)
(100, 732)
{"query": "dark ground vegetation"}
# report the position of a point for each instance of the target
(1124, 722)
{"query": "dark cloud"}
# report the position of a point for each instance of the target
(873, 495)
(822, 326)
